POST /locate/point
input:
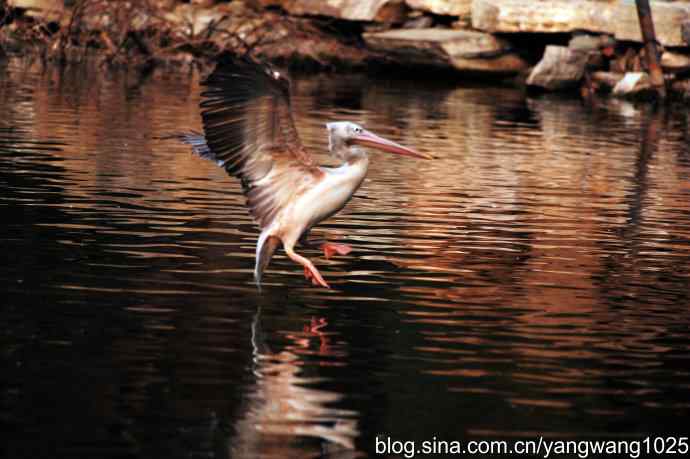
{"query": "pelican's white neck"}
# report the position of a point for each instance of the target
(354, 154)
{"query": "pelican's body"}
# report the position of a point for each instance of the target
(323, 198)
(335, 189)
(248, 130)
(317, 201)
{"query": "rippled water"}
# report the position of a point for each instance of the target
(532, 280)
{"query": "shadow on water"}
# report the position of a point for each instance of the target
(531, 280)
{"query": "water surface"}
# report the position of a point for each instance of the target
(532, 280)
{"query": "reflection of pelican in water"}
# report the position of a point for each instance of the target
(282, 407)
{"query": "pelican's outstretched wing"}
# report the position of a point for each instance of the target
(250, 132)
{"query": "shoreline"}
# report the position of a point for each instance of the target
(501, 40)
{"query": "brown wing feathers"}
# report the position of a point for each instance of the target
(250, 132)
(247, 109)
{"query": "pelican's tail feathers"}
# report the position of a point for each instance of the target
(198, 143)
(265, 249)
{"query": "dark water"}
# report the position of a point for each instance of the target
(532, 280)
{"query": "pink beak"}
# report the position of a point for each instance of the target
(369, 139)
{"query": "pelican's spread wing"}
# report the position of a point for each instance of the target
(250, 132)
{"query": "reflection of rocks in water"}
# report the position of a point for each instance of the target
(285, 417)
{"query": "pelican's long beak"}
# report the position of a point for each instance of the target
(369, 139)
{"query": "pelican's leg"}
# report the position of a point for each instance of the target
(329, 248)
(310, 271)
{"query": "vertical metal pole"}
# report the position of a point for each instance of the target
(644, 13)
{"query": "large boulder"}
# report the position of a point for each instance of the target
(442, 7)
(463, 50)
(560, 68)
(617, 18)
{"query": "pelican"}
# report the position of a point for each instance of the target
(250, 132)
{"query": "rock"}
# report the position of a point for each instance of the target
(605, 81)
(442, 7)
(37, 4)
(633, 85)
(673, 62)
(586, 42)
(559, 68)
(565, 16)
(48, 10)
(421, 22)
(352, 10)
(463, 50)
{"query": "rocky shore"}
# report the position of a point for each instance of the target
(594, 46)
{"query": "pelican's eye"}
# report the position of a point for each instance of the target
(358, 130)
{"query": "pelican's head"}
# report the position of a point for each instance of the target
(344, 136)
